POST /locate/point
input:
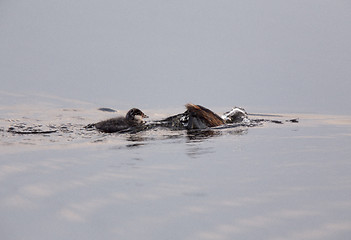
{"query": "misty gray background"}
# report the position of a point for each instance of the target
(287, 56)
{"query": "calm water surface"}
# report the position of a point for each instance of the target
(287, 181)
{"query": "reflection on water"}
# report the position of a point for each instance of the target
(273, 181)
(200, 135)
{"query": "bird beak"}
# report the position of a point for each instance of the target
(144, 115)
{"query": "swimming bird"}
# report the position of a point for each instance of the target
(235, 115)
(195, 117)
(201, 117)
(134, 120)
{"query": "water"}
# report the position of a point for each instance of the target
(274, 181)
(60, 62)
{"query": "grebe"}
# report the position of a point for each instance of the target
(236, 115)
(132, 121)
(199, 117)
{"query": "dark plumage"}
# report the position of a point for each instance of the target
(132, 121)
(201, 117)
(195, 117)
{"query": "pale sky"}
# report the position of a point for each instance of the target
(278, 56)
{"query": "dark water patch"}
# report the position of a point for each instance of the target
(200, 135)
(70, 110)
(31, 131)
(135, 145)
(104, 109)
(22, 128)
(264, 115)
